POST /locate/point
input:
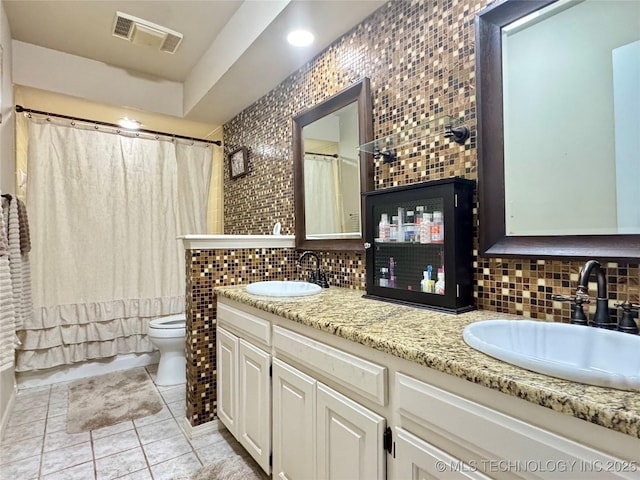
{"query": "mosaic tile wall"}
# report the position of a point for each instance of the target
(419, 56)
(207, 269)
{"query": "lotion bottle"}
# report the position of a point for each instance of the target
(440, 283)
(425, 228)
(384, 230)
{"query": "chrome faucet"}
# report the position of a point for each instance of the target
(318, 276)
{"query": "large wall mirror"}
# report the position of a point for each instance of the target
(558, 91)
(330, 172)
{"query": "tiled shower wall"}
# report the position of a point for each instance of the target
(419, 56)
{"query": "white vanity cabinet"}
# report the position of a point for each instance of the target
(490, 441)
(294, 423)
(418, 460)
(243, 380)
(227, 378)
(349, 438)
(323, 414)
(318, 432)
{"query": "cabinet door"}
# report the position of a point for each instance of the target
(227, 378)
(419, 460)
(294, 417)
(349, 438)
(254, 403)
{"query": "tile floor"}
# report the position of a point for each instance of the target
(36, 445)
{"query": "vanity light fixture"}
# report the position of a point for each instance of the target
(129, 123)
(300, 38)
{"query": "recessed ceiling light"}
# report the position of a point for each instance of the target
(300, 38)
(129, 124)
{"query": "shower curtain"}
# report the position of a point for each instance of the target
(322, 186)
(105, 210)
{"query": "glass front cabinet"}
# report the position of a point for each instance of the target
(420, 244)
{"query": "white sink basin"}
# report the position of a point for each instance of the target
(277, 288)
(582, 354)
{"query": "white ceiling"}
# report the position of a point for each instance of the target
(233, 51)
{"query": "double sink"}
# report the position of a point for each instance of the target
(578, 353)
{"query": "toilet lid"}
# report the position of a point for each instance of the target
(171, 321)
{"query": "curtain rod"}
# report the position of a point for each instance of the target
(332, 155)
(20, 109)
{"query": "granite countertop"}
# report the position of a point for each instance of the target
(434, 339)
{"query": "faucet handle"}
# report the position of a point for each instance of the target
(322, 279)
(627, 323)
(562, 298)
(577, 299)
(627, 305)
(578, 316)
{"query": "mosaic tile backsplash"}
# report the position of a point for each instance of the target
(419, 56)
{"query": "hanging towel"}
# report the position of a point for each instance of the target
(4, 243)
(23, 225)
(19, 267)
(7, 309)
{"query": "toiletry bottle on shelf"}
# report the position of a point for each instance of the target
(393, 229)
(410, 227)
(439, 289)
(400, 224)
(437, 228)
(419, 213)
(430, 282)
(425, 228)
(424, 282)
(392, 273)
(384, 277)
(384, 232)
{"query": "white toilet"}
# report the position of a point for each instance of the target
(168, 335)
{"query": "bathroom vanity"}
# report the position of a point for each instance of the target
(338, 386)
(335, 385)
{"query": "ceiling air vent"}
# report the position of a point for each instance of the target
(142, 32)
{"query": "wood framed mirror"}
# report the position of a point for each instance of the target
(330, 173)
(550, 125)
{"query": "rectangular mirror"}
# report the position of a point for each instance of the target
(559, 116)
(330, 172)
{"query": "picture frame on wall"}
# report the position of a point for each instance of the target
(238, 162)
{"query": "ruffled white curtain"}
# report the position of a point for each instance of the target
(105, 211)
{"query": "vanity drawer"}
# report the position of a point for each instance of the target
(354, 373)
(500, 439)
(246, 324)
